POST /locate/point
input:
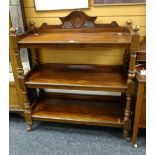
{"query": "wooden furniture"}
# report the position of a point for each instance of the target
(13, 98)
(16, 19)
(140, 107)
(15, 103)
(79, 30)
(141, 54)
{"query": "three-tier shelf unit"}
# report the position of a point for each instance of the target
(78, 30)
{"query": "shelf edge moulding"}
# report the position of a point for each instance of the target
(45, 5)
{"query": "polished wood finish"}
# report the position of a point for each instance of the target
(17, 19)
(130, 83)
(13, 98)
(15, 52)
(81, 77)
(140, 107)
(71, 109)
(79, 30)
(15, 95)
(77, 19)
(76, 38)
(141, 54)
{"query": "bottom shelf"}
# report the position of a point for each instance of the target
(79, 111)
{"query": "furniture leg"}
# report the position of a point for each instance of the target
(127, 120)
(28, 119)
(22, 87)
(137, 112)
(130, 82)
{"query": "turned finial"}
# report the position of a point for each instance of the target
(136, 28)
(32, 26)
(129, 22)
(13, 30)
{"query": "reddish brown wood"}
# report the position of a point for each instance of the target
(15, 52)
(80, 30)
(84, 97)
(141, 55)
(130, 82)
(77, 38)
(82, 77)
(76, 28)
(140, 107)
(142, 121)
(79, 111)
(78, 19)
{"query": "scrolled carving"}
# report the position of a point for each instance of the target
(77, 19)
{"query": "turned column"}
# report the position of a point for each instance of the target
(135, 38)
(20, 79)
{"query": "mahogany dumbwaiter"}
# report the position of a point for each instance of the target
(79, 30)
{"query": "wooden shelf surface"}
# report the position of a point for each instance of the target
(76, 38)
(79, 111)
(81, 77)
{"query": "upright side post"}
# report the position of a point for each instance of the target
(20, 78)
(130, 83)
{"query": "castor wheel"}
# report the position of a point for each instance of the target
(135, 145)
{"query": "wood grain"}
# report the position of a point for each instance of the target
(77, 77)
(78, 111)
(75, 38)
(13, 97)
(140, 106)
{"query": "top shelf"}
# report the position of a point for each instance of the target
(76, 28)
(76, 38)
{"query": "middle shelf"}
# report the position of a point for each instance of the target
(79, 77)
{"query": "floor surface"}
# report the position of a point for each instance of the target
(66, 139)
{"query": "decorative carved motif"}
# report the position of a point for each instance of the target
(20, 74)
(78, 19)
(20, 71)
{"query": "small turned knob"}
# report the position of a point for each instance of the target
(31, 26)
(136, 28)
(13, 30)
(129, 22)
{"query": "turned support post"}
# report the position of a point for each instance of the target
(135, 38)
(20, 78)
